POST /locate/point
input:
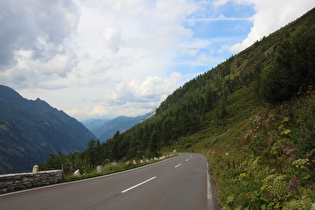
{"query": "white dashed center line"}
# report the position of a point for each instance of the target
(178, 165)
(137, 185)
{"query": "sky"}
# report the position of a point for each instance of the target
(108, 58)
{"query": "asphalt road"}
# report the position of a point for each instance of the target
(177, 183)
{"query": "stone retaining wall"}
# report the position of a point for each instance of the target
(13, 182)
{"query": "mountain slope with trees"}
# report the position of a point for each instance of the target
(252, 116)
(31, 130)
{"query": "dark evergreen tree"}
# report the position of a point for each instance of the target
(91, 152)
(293, 71)
(211, 97)
(153, 145)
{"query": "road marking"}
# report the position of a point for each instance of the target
(210, 204)
(178, 165)
(137, 185)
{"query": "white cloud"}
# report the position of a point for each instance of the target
(131, 98)
(191, 52)
(33, 24)
(128, 109)
(270, 16)
(152, 89)
(113, 38)
(29, 72)
(218, 3)
(122, 57)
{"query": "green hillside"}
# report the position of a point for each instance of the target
(252, 116)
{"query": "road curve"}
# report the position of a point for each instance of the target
(181, 182)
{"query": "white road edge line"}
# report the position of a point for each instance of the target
(209, 190)
(178, 165)
(137, 185)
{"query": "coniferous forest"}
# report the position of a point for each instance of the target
(252, 116)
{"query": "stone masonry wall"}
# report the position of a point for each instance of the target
(13, 182)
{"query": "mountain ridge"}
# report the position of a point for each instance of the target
(105, 129)
(93, 123)
(121, 124)
(31, 129)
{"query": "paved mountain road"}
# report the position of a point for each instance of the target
(177, 183)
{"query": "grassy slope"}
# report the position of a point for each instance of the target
(242, 156)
